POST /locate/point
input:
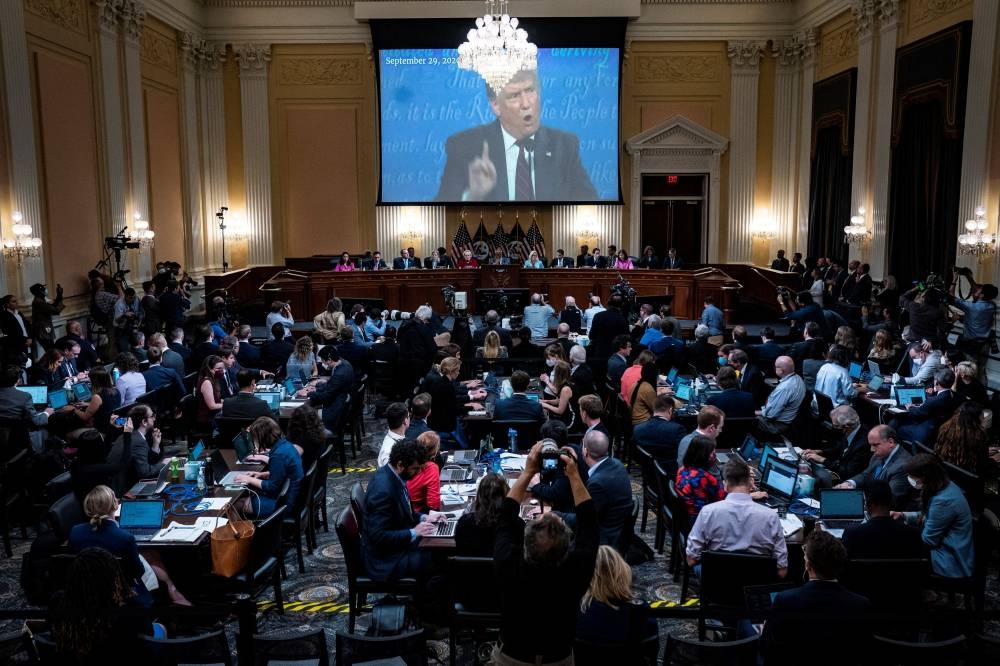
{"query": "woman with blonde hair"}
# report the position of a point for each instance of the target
(301, 365)
(102, 531)
(491, 349)
(967, 384)
(845, 338)
(608, 614)
(533, 261)
(884, 350)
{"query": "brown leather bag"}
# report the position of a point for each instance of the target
(231, 544)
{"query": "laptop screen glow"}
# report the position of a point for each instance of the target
(143, 513)
(779, 477)
(841, 503)
(39, 394)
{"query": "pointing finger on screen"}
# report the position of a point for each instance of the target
(482, 175)
(486, 151)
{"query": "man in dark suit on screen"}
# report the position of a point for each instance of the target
(514, 158)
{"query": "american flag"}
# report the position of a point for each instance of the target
(534, 239)
(499, 239)
(461, 242)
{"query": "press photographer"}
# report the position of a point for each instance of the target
(978, 313)
(928, 314)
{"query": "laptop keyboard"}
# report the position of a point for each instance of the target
(446, 529)
(143, 533)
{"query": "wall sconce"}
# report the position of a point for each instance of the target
(763, 226)
(237, 229)
(23, 244)
(586, 230)
(976, 241)
(143, 234)
(856, 233)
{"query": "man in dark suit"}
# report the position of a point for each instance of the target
(673, 261)
(356, 353)
(749, 378)
(609, 486)
(660, 435)
(176, 344)
(332, 394)
(618, 362)
(606, 326)
(821, 610)
(88, 356)
(144, 443)
(518, 407)
(247, 355)
(591, 413)
(583, 257)
(515, 157)
(390, 540)
(420, 409)
(881, 536)
(812, 345)
(377, 263)
(579, 372)
(888, 463)
(850, 454)
(766, 353)
(244, 405)
(158, 376)
(780, 263)
(405, 261)
(921, 421)
(491, 322)
(16, 406)
(572, 315)
(561, 261)
(417, 348)
(734, 402)
(15, 329)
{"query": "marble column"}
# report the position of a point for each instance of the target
(215, 183)
(807, 45)
(888, 17)
(108, 12)
(864, 24)
(744, 57)
(133, 17)
(24, 196)
(786, 114)
(978, 108)
(193, 51)
(253, 60)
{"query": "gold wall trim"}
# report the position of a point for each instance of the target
(678, 68)
(319, 71)
(158, 51)
(839, 46)
(69, 14)
(924, 11)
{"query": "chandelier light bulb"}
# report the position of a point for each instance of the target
(980, 211)
(16, 216)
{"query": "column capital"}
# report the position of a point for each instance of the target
(807, 43)
(108, 13)
(746, 55)
(786, 51)
(252, 57)
(888, 14)
(193, 48)
(864, 17)
(133, 15)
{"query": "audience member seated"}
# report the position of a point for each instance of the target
(176, 345)
(301, 364)
(571, 315)
(643, 397)
(46, 370)
(696, 482)
(87, 357)
(670, 350)
(963, 440)
(420, 408)
(888, 463)
(580, 374)
(69, 420)
(491, 350)
(661, 436)
(16, 405)
(102, 531)
(944, 515)
(521, 347)
(327, 324)
(70, 350)
(734, 402)
(331, 393)
(518, 407)
(782, 405)
(881, 536)
(445, 417)
(491, 322)
(137, 345)
(609, 485)
(562, 339)
(209, 392)
(709, 423)
(140, 445)
(283, 462)
(812, 346)
(92, 465)
(833, 380)
(477, 528)
(821, 612)
(608, 613)
(397, 418)
(390, 540)
(737, 523)
(618, 361)
(701, 353)
(924, 362)
(307, 434)
(158, 376)
(425, 487)
(630, 377)
(850, 453)
(560, 406)
(245, 405)
(543, 555)
(920, 423)
(276, 350)
(205, 346)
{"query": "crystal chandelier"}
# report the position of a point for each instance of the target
(976, 241)
(496, 48)
(856, 232)
(22, 245)
(143, 234)
(763, 226)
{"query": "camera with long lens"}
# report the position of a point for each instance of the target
(550, 456)
(396, 315)
(120, 242)
(963, 271)
(448, 292)
(786, 295)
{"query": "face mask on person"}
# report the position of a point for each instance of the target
(722, 360)
(915, 482)
(917, 361)
(551, 362)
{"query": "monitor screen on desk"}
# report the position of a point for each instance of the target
(907, 396)
(856, 370)
(779, 477)
(684, 392)
(39, 394)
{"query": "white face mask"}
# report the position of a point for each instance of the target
(914, 482)
(551, 362)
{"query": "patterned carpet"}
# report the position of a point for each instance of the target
(319, 596)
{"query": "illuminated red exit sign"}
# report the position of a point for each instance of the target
(672, 180)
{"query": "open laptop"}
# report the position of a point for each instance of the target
(82, 392)
(858, 372)
(445, 528)
(875, 382)
(455, 474)
(683, 392)
(39, 395)
(910, 396)
(672, 376)
(58, 399)
(746, 452)
(778, 480)
(198, 449)
(840, 509)
(141, 518)
(221, 474)
(464, 456)
(244, 446)
(150, 487)
(272, 398)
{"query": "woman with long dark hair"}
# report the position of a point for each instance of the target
(559, 407)
(209, 391)
(307, 434)
(963, 441)
(643, 396)
(476, 530)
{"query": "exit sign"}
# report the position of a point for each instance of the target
(672, 180)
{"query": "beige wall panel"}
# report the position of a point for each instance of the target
(925, 17)
(158, 53)
(236, 252)
(163, 145)
(69, 167)
(321, 164)
(765, 132)
(653, 112)
(838, 46)
(5, 202)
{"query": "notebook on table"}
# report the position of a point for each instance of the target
(142, 518)
(840, 509)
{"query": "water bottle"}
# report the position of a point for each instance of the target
(497, 469)
(115, 374)
(201, 477)
(511, 439)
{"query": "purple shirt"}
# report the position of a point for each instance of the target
(738, 524)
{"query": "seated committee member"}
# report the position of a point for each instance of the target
(737, 524)
(467, 260)
(515, 158)
(533, 261)
(404, 261)
(562, 261)
(673, 261)
(518, 407)
(345, 263)
(390, 539)
(439, 259)
(499, 257)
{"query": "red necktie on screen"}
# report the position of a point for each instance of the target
(523, 189)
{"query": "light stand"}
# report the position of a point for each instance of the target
(222, 227)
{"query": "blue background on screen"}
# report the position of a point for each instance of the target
(423, 104)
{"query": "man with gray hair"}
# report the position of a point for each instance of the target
(701, 353)
(782, 406)
(537, 316)
(589, 313)
(580, 372)
(417, 349)
(572, 315)
(609, 485)
(492, 322)
(540, 556)
(849, 453)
